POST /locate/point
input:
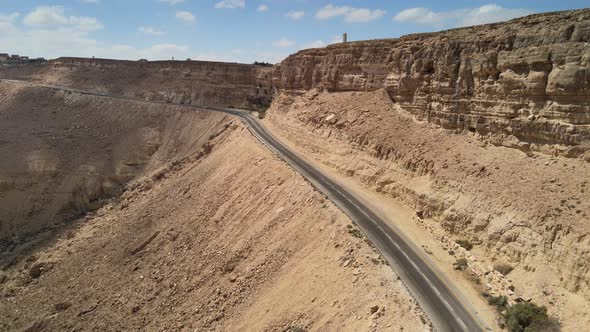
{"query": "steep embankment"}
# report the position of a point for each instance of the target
(524, 83)
(528, 211)
(67, 153)
(469, 127)
(224, 238)
(180, 82)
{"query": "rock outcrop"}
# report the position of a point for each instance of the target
(178, 82)
(525, 83)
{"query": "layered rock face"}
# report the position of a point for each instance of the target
(180, 82)
(524, 83)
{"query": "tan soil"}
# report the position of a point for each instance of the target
(528, 210)
(66, 153)
(221, 236)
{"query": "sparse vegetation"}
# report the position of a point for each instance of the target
(500, 302)
(262, 63)
(475, 279)
(503, 268)
(465, 244)
(259, 103)
(529, 317)
(460, 264)
(354, 231)
(523, 316)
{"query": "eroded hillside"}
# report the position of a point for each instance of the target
(523, 83)
(483, 131)
(214, 233)
(180, 82)
(528, 211)
(67, 153)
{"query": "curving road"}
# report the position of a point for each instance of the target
(429, 286)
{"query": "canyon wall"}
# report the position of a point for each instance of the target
(67, 153)
(180, 82)
(523, 83)
(528, 211)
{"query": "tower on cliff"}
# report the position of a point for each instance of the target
(344, 37)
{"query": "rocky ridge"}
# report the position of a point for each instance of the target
(524, 83)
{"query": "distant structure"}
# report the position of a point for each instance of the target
(15, 59)
(344, 37)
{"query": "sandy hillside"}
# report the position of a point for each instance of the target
(223, 237)
(67, 153)
(526, 210)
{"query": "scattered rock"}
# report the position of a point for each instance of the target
(374, 309)
(38, 269)
(62, 306)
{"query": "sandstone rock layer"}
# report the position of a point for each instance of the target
(525, 81)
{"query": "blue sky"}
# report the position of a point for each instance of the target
(231, 30)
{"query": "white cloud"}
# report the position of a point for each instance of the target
(315, 44)
(185, 16)
(90, 1)
(262, 8)
(417, 15)
(231, 4)
(7, 23)
(54, 16)
(172, 2)
(283, 43)
(336, 39)
(461, 17)
(10, 18)
(86, 23)
(150, 31)
(350, 14)
(295, 15)
(169, 50)
(46, 16)
(66, 41)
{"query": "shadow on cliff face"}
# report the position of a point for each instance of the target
(70, 153)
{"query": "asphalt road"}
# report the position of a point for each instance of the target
(428, 285)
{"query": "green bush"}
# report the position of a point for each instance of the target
(465, 244)
(503, 268)
(500, 302)
(355, 232)
(529, 317)
(460, 264)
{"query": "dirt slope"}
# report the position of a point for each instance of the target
(226, 239)
(67, 153)
(527, 210)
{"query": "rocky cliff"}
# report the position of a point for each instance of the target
(180, 82)
(523, 83)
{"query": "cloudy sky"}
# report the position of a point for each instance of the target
(231, 30)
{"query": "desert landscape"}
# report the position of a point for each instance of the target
(213, 196)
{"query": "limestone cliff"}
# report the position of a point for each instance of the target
(523, 83)
(179, 82)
